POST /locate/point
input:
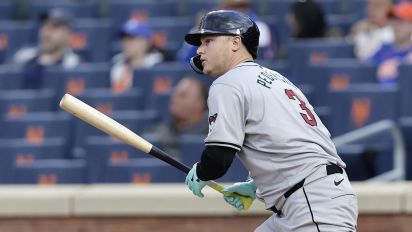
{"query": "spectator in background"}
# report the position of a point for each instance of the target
(137, 52)
(53, 48)
(188, 111)
(370, 33)
(389, 56)
(306, 20)
(187, 51)
(266, 43)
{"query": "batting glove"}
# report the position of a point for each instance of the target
(247, 189)
(194, 183)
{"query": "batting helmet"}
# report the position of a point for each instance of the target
(227, 22)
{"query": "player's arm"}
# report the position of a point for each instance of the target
(215, 162)
(226, 134)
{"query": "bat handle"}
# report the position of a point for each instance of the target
(246, 201)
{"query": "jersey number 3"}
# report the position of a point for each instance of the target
(308, 117)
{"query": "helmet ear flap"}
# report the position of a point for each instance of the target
(196, 64)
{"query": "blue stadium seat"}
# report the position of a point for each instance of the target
(278, 66)
(168, 32)
(365, 161)
(121, 10)
(35, 127)
(360, 105)
(49, 172)
(302, 53)
(76, 81)
(7, 9)
(161, 79)
(137, 121)
(338, 74)
(275, 25)
(146, 170)
(193, 7)
(79, 9)
(17, 103)
(160, 103)
(107, 101)
(282, 7)
(341, 22)
(13, 36)
(406, 126)
(358, 7)
(278, 9)
(10, 77)
(100, 151)
(19, 151)
(405, 85)
(191, 147)
(89, 37)
(157, 84)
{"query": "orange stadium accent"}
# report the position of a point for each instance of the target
(35, 134)
(361, 108)
(47, 179)
(318, 57)
(104, 107)
(75, 86)
(119, 157)
(4, 41)
(140, 15)
(17, 111)
(141, 178)
(162, 84)
(22, 159)
(339, 81)
(78, 40)
(159, 39)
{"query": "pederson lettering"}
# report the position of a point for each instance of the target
(266, 78)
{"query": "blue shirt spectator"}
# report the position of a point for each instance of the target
(389, 56)
(137, 53)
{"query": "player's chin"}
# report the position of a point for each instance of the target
(209, 72)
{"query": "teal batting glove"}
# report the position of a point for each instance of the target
(247, 189)
(194, 183)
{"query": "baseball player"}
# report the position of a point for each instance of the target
(260, 116)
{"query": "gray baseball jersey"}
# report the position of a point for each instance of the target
(278, 135)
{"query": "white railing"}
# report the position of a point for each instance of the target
(399, 151)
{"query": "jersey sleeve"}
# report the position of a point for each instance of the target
(226, 117)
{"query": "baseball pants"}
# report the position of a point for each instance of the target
(326, 203)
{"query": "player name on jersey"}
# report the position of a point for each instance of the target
(266, 78)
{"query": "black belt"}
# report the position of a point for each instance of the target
(330, 169)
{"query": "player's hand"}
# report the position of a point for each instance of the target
(247, 189)
(194, 183)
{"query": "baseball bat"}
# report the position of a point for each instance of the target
(111, 127)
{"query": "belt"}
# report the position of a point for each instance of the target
(330, 169)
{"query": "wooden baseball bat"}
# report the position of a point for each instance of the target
(111, 127)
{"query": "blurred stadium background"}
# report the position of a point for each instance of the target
(57, 173)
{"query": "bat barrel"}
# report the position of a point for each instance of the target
(103, 122)
(115, 129)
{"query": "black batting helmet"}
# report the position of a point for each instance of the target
(227, 22)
